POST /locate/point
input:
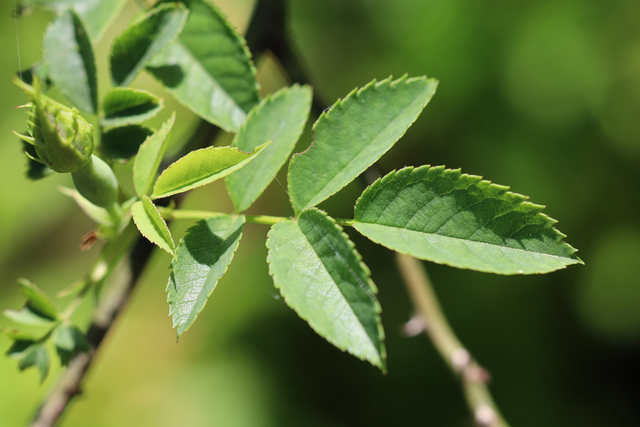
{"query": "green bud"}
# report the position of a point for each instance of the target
(61, 136)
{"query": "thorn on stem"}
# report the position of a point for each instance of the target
(485, 416)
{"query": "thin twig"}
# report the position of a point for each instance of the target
(473, 377)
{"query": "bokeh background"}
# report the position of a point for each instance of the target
(542, 96)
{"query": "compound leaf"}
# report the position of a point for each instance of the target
(125, 106)
(133, 49)
(447, 217)
(202, 257)
(71, 65)
(279, 118)
(149, 157)
(321, 276)
(209, 68)
(353, 135)
(201, 167)
(152, 225)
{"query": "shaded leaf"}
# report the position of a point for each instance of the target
(71, 65)
(152, 225)
(35, 170)
(38, 357)
(134, 48)
(203, 256)
(123, 142)
(201, 167)
(444, 216)
(18, 335)
(126, 106)
(209, 69)
(149, 157)
(321, 276)
(69, 341)
(279, 118)
(353, 135)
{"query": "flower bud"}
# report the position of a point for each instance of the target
(62, 138)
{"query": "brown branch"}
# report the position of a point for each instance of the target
(473, 377)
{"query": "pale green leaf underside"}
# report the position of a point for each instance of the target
(460, 220)
(321, 276)
(149, 158)
(202, 257)
(279, 118)
(152, 225)
(133, 49)
(68, 55)
(35, 356)
(201, 167)
(126, 106)
(96, 213)
(209, 69)
(353, 135)
(97, 14)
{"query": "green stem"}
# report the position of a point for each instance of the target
(473, 377)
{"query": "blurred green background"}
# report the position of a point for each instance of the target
(543, 96)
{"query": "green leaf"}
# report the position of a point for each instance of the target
(18, 335)
(444, 216)
(37, 300)
(27, 316)
(209, 69)
(96, 13)
(353, 135)
(69, 341)
(68, 55)
(152, 225)
(134, 48)
(125, 106)
(122, 143)
(203, 256)
(201, 167)
(96, 213)
(321, 276)
(149, 157)
(36, 356)
(279, 118)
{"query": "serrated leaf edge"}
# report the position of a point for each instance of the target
(372, 289)
(339, 105)
(521, 200)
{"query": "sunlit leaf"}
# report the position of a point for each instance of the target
(209, 69)
(279, 118)
(152, 225)
(321, 276)
(202, 257)
(201, 167)
(68, 55)
(96, 13)
(353, 135)
(444, 216)
(149, 157)
(134, 48)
